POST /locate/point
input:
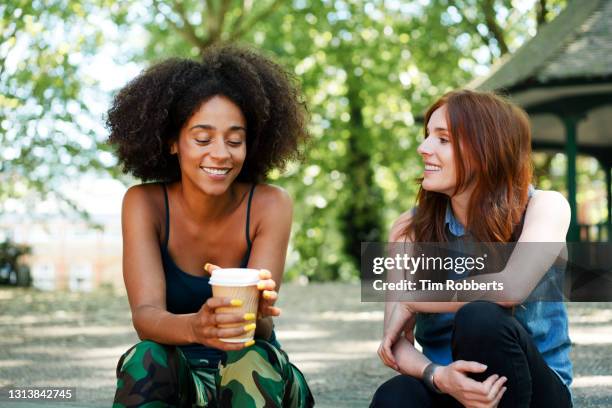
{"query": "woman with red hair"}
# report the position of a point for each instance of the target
(476, 188)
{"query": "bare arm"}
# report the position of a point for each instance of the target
(143, 273)
(395, 236)
(396, 350)
(274, 211)
(546, 220)
(146, 286)
(398, 319)
(399, 353)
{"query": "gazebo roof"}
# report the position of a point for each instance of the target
(574, 48)
(563, 78)
(565, 70)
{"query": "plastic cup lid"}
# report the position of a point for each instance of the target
(234, 277)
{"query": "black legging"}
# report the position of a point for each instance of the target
(489, 334)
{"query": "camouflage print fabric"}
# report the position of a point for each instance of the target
(262, 376)
(154, 375)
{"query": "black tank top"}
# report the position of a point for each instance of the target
(186, 293)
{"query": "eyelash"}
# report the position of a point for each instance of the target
(205, 142)
(442, 139)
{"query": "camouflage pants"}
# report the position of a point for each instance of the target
(154, 375)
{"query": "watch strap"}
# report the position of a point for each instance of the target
(428, 374)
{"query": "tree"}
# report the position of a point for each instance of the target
(367, 68)
(499, 24)
(47, 133)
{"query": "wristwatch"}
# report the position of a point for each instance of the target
(428, 374)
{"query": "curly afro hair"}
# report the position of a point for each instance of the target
(149, 112)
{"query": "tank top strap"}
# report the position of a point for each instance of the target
(167, 239)
(247, 228)
(518, 229)
(248, 219)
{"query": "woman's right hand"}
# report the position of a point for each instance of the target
(401, 320)
(384, 350)
(452, 379)
(205, 330)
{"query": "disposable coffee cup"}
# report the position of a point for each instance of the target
(237, 283)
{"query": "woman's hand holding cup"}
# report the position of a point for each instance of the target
(267, 287)
(254, 287)
(204, 324)
(268, 295)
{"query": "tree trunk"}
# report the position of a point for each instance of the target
(495, 30)
(361, 220)
(541, 13)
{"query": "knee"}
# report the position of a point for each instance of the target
(147, 373)
(245, 371)
(150, 345)
(260, 357)
(479, 320)
(401, 391)
(144, 355)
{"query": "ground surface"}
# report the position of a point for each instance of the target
(67, 339)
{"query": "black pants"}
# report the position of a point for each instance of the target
(489, 334)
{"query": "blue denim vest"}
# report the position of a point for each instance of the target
(546, 322)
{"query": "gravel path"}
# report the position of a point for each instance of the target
(67, 339)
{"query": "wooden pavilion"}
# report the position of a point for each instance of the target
(563, 78)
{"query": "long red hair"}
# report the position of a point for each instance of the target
(491, 140)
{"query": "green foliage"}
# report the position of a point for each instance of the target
(12, 270)
(10, 253)
(550, 171)
(368, 70)
(47, 133)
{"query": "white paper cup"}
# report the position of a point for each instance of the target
(237, 283)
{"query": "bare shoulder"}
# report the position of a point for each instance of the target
(548, 202)
(143, 196)
(399, 226)
(272, 198)
(144, 202)
(272, 207)
(547, 218)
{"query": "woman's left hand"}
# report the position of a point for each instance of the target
(268, 294)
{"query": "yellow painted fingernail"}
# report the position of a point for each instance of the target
(249, 316)
(236, 302)
(267, 295)
(250, 327)
(261, 285)
(207, 267)
(249, 343)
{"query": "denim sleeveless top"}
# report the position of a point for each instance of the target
(545, 321)
(186, 293)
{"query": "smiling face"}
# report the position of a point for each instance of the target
(211, 146)
(440, 173)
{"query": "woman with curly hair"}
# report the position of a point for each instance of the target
(512, 350)
(206, 134)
